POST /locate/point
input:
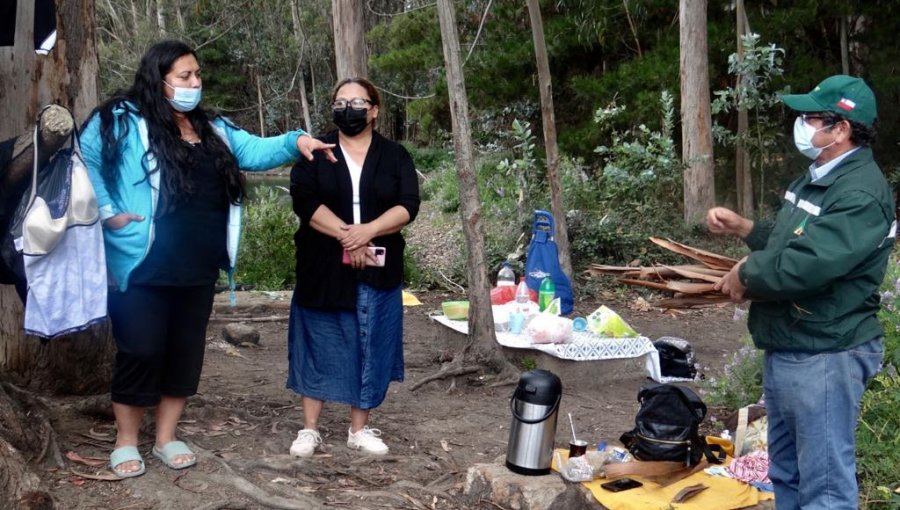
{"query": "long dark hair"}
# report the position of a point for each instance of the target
(145, 98)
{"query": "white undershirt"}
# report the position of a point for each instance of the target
(355, 174)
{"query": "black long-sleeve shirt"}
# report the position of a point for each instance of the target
(388, 179)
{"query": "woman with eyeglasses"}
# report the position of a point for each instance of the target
(167, 177)
(345, 338)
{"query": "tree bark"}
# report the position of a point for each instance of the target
(696, 118)
(548, 118)
(298, 36)
(743, 168)
(349, 39)
(161, 17)
(68, 75)
(481, 319)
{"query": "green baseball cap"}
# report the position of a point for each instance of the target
(845, 95)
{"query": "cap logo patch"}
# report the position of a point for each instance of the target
(846, 104)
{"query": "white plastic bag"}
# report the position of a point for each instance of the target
(545, 328)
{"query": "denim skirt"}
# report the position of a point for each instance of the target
(347, 356)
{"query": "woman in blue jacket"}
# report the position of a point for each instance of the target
(168, 184)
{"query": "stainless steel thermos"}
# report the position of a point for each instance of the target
(534, 406)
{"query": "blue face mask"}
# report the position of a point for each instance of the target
(185, 99)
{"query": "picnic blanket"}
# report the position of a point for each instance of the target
(722, 493)
(585, 346)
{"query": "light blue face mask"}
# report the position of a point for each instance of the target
(185, 99)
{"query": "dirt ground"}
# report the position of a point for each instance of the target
(243, 421)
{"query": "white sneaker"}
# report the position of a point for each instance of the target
(306, 443)
(366, 439)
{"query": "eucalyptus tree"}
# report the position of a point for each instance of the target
(75, 364)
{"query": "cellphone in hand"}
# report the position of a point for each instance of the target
(378, 251)
(622, 484)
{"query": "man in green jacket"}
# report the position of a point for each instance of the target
(813, 278)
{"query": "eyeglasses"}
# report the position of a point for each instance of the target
(827, 120)
(357, 103)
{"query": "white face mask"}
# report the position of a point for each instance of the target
(185, 99)
(803, 135)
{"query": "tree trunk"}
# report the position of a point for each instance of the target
(298, 36)
(161, 17)
(68, 75)
(696, 118)
(481, 320)
(349, 39)
(548, 118)
(259, 103)
(743, 169)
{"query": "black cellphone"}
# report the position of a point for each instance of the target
(622, 484)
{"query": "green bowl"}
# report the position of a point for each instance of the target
(456, 310)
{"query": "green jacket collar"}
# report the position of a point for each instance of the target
(861, 157)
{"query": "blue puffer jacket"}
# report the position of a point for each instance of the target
(127, 247)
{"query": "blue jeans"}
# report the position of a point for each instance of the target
(812, 402)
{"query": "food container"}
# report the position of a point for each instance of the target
(456, 310)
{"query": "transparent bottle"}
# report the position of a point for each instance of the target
(506, 276)
(522, 295)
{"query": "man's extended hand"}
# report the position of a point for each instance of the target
(720, 220)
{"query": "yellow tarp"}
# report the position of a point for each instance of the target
(722, 494)
(410, 300)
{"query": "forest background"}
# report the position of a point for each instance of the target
(268, 64)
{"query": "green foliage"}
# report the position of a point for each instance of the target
(639, 183)
(877, 440)
(741, 381)
(640, 164)
(753, 91)
(266, 257)
(528, 363)
(442, 186)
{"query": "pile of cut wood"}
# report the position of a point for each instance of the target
(690, 285)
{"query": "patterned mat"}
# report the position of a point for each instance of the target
(584, 346)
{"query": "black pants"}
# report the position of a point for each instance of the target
(161, 337)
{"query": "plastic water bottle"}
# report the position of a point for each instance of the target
(522, 295)
(506, 276)
(546, 293)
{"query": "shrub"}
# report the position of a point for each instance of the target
(266, 257)
(741, 381)
(877, 440)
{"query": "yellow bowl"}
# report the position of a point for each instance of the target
(456, 310)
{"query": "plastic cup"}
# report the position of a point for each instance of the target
(577, 448)
(516, 322)
(579, 324)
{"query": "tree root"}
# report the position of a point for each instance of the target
(228, 504)
(451, 369)
(297, 500)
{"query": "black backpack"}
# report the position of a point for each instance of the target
(667, 426)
